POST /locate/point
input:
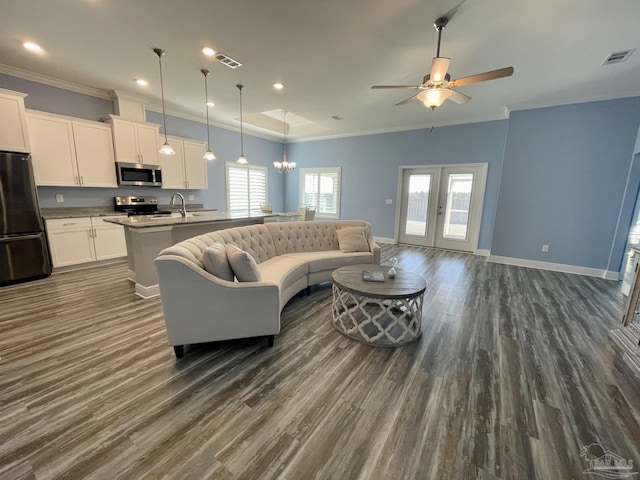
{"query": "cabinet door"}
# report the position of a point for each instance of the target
(173, 166)
(109, 240)
(94, 153)
(195, 166)
(70, 241)
(125, 141)
(54, 158)
(148, 144)
(14, 135)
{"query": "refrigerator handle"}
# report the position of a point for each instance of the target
(11, 238)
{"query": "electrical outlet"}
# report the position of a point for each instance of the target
(389, 201)
(192, 197)
(545, 248)
(59, 198)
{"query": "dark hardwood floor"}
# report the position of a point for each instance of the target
(514, 373)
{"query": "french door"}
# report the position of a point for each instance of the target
(441, 206)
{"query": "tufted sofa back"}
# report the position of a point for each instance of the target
(269, 240)
(296, 237)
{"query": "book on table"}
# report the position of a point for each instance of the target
(369, 276)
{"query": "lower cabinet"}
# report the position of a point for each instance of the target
(73, 241)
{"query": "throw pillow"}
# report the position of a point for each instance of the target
(243, 265)
(214, 259)
(353, 239)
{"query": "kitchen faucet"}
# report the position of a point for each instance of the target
(183, 210)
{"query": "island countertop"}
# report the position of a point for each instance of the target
(175, 219)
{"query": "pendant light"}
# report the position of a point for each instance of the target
(242, 160)
(284, 166)
(209, 154)
(166, 148)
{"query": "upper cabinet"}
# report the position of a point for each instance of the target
(71, 152)
(186, 169)
(134, 142)
(14, 136)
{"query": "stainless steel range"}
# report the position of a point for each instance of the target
(139, 206)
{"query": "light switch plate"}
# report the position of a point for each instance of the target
(192, 197)
(59, 198)
(389, 201)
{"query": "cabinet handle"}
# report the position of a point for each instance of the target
(89, 232)
(81, 180)
(76, 180)
(68, 224)
(95, 233)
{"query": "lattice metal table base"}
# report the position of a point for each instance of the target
(379, 322)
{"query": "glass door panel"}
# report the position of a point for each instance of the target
(417, 209)
(456, 218)
(418, 205)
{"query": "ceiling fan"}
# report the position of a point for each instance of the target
(437, 86)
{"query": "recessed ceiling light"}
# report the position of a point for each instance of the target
(32, 47)
(211, 104)
(208, 51)
(278, 86)
(141, 82)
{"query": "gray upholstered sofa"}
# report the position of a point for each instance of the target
(201, 307)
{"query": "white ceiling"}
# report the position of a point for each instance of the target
(328, 53)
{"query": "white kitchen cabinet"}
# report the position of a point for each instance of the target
(186, 169)
(14, 134)
(70, 152)
(134, 142)
(74, 241)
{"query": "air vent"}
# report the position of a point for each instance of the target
(337, 117)
(228, 61)
(618, 57)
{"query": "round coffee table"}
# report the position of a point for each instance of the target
(385, 314)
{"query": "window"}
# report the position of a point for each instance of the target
(246, 188)
(320, 188)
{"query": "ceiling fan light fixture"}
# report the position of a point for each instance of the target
(434, 97)
(166, 148)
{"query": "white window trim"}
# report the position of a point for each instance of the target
(247, 167)
(319, 171)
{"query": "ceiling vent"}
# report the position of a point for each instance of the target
(618, 57)
(228, 61)
(337, 117)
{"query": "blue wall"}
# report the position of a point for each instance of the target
(563, 179)
(564, 176)
(370, 167)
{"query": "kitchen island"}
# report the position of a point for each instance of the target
(147, 235)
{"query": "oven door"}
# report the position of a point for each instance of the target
(139, 174)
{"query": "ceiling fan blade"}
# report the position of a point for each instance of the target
(458, 97)
(414, 97)
(483, 77)
(439, 67)
(395, 86)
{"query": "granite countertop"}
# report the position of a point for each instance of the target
(204, 216)
(75, 212)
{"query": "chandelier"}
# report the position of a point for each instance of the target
(284, 166)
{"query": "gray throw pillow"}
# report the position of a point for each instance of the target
(214, 259)
(353, 239)
(243, 265)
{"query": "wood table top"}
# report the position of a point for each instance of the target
(406, 284)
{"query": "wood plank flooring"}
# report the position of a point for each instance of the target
(514, 373)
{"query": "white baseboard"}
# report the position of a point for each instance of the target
(392, 241)
(609, 275)
(147, 292)
(555, 267)
(483, 253)
(131, 276)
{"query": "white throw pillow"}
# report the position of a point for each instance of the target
(353, 239)
(214, 259)
(243, 265)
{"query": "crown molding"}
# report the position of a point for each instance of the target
(54, 82)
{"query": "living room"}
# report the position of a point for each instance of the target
(562, 172)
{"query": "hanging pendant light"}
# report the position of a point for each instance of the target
(208, 154)
(242, 160)
(166, 148)
(284, 166)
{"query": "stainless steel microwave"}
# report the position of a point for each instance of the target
(139, 174)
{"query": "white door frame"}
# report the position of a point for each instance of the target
(483, 167)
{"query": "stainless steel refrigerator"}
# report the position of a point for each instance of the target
(23, 244)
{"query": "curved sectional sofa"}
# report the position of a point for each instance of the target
(200, 306)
